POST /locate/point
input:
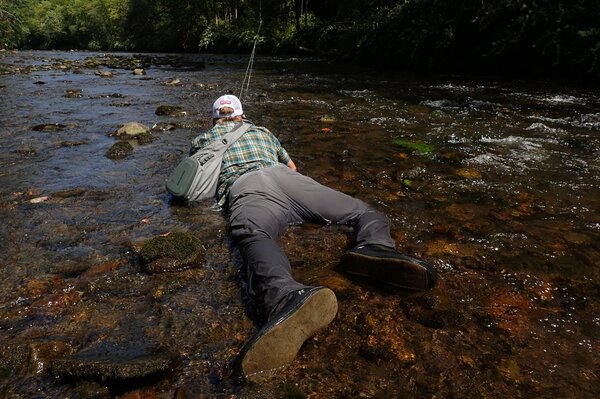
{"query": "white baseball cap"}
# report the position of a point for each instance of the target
(230, 101)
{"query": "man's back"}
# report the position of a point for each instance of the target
(258, 148)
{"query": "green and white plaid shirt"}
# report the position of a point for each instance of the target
(258, 148)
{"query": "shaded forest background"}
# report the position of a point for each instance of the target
(491, 36)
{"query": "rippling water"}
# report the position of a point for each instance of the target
(504, 200)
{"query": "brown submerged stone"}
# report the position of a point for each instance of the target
(511, 312)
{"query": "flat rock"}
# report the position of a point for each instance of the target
(109, 360)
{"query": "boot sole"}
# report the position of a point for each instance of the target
(402, 272)
(278, 346)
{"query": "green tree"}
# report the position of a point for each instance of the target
(47, 24)
(13, 29)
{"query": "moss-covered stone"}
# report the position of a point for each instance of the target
(169, 110)
(176, 251)
(439, 116)
(145, 138)
(119, 150)
(418, 147)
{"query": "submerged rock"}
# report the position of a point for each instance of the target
(469, 173)
(92, 390)
(172, 252)
(73, 93)
(68, 143)
(433, 312)
(415, 146)
(33, 355)
(119, 150)
(382, 339)
(170, 110)
(14, 357)
(106, 361)
(49, 127)
(27, 150)
(145, 138)
(327, 119)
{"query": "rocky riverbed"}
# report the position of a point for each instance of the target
(109, 288)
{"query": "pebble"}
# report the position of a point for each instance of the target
(173, 82)
(469, 173)
(104, 74)
(39, 199)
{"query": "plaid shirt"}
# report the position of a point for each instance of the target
(258, 148)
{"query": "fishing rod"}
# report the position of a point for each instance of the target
(248, 75)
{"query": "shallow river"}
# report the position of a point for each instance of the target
(496, 183)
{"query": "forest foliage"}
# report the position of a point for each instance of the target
(493, 36)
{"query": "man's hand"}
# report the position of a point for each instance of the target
(292, 165)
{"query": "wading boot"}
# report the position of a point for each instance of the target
(385, 265)
(300, 314)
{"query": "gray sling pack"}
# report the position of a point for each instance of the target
(196, 177)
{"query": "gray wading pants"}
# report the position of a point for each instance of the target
(264, 202)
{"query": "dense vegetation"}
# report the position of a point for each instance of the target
(525, 36)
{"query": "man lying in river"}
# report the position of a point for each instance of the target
(264, 193)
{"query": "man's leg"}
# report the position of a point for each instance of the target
(313, 202)
(294, 311)
(255, 225)
(374, 255)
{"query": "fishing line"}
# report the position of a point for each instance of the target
(248, 75)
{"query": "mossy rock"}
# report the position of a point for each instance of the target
(418, 147)
(119, 150)
(145, 138)
(169, 110)
(176, 251)
(439, 116)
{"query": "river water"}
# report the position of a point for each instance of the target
(495, 182)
